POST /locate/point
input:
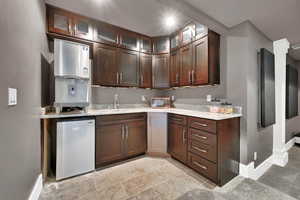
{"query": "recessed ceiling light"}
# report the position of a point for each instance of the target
(170, 21)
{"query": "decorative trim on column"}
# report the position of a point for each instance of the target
(281, 46)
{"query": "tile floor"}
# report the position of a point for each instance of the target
(149, 178)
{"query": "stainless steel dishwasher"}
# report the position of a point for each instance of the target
(75, 150)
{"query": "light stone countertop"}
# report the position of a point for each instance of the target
(97, 112)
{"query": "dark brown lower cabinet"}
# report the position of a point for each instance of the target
(119, 137)
(211, 148)
(109, 143)
(177, 141)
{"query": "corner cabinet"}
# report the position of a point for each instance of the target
(160, 71)
(128, 68)
(175, 68)
(211, 148)
(119, 137)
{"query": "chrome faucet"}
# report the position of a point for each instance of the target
(116, 102)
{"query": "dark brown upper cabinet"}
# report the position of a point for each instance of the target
(200, 58)
(128, 68)
(186, 65)
(59, 21)
(187, 57)
(175, 68)
(105, 69)
(187, 34)
(174, 41)
(83, 27)
(105, 33)
(161, 45)
(145, 70)
(160, 71)
(129, 40)
(145, 44)
(206, 60)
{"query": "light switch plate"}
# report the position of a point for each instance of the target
(12, 96)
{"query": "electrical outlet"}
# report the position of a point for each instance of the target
(255, 155)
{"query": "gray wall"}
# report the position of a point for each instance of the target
(22, 40)
(244, 41)
(293, 125)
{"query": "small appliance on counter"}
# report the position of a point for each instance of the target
(161, 102)
(72, 74)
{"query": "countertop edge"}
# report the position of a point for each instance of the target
(200, 114)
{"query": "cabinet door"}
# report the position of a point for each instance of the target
(145, 45)
(174, 68)
(200, 31)
(83, 28)
(105, 70)
(136, 137)
(145, 70)
(187, 34)
(200, 71)
(160, 71)
(186, 56)
(105, 33)
(59, 21)
(128, 64)
(177, 141)
(174, 41)
(161, 45)
(109, 144)
(129, 40)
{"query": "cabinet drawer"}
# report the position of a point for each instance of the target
(178, 119)
(115, 119)
(208, 152)
(204, 167)
(203, 124)
(202, 136)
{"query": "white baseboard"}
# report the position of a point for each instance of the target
(290, 144)
(245, 170)
(249, 171)
(37, 189)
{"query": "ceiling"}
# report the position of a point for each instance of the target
(275, 18)
(142, 16)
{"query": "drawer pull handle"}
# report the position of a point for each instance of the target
(199, 165)
(200, 124)
(202, 137)
(198, 149)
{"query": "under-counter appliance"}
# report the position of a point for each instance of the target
(72, 74)
(75, 148)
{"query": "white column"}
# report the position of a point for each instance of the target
(279, 151)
